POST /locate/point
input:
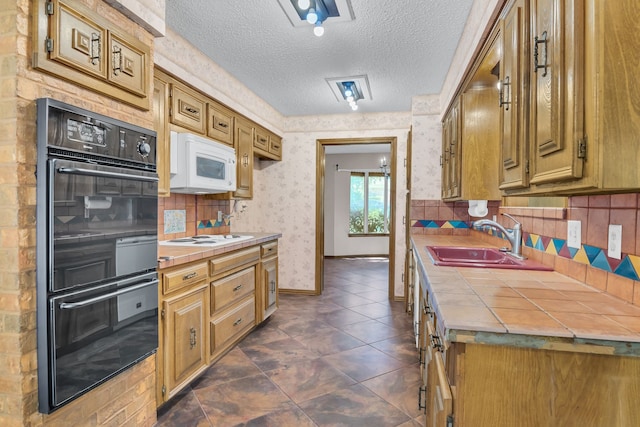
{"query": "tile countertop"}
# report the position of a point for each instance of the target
(540, 309)
(170, 256)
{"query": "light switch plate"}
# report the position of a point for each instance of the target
(615, 241)
(219, 216)
(574, 234)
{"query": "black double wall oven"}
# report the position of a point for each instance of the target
(96, 226)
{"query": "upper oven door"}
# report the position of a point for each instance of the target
(90, 207)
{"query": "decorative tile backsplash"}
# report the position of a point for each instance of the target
(545, 235)
(182, 215)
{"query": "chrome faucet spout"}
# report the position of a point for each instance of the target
(514, 236)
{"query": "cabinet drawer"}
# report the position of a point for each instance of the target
(269, 249)
(78, 41)
(177, 279)
(232, 288)
(261, 139)
(128, 65)
(275, 146)
(220, 124)
(230, 325)
(235, 259)
(187, 109)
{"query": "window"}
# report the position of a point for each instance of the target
(369, 203)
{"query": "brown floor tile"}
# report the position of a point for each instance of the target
(364, 362)
(346, 408)
(370, 331)
(307, 380)
(242, 400)
(398, 388)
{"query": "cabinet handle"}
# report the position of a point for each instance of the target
(237, 288)
(192, 338)
(245, 160)
(436, 343)
(117, 63)
(189, 276)
(95, 48)
(422, 390)
(538, 41)
(237, 322)
(421, 357)
(223, 124)
(505, 93)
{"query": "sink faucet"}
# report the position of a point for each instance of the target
(514, 236)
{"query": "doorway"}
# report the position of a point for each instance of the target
(355, 145)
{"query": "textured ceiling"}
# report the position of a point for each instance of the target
(404, 47)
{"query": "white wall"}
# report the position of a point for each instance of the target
(336, 230)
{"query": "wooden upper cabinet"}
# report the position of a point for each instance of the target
(161, 126)
(75, 43)
(128, 64)
(557, 90)
(267, 145)
(188, 108)
(514, 96)
(244, 152)
(451, 153)
(220, 123)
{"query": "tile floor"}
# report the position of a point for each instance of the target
(345, 358)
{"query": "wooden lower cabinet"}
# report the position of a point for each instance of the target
(492, 385)
(268, 301)
(185, 356)
(208, 306)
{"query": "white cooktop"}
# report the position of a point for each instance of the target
(206, 240)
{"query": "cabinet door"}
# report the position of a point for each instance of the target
(127, 64)
(557, 70)
(451, 153)
(187, 108)
(514, 86)
(270, 286)
(184, 341)
(440, 407)
(244, 152)
(220, 123)
(78, 42)
(161, 126)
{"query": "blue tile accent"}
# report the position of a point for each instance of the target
(592, 252)
(626, 269)
(600, 261)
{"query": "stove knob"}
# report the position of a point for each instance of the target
(144, 148)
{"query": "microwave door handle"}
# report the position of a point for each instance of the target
(89, 172)
(84, 303)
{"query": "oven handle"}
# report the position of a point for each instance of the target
(90, 172)
(72, 305)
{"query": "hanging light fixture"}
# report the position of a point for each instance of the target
(304, 4)
(318, 30)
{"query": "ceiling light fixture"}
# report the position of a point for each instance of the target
(350, 93)
(315, 12)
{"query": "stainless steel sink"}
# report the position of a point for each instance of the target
(458, 256)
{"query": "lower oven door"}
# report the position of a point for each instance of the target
(95, 334)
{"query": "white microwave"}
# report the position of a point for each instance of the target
(201, 165)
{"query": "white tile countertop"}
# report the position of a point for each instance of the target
(169, 256)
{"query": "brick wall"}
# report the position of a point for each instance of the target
(132, 400)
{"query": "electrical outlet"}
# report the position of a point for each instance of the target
(615, 241)
(574, 234)
(219, 216)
